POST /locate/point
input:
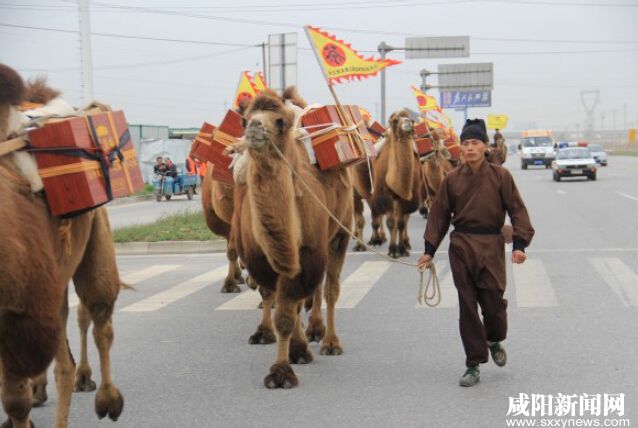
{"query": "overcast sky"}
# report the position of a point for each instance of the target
(544, 53)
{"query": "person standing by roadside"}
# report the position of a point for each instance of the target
(474, 198)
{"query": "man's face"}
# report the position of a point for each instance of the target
(473, 150)
(158, 161)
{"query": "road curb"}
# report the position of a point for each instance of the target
(170, 247)
(131, 199)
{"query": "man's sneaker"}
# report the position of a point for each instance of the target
(498, 354)
(471, 377)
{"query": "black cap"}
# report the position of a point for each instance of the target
(475, 129)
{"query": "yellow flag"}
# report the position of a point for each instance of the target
(338, 60)
(245, 89)
(259, 83)
(365, 114)
(497, 121)
(424, 101)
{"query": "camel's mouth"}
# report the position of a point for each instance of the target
(256, 133)
(406, 126)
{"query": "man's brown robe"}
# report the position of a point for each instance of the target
(476, 204)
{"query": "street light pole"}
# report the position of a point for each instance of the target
(383, 49)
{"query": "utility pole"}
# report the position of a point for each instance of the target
(589, 111)
(86, 60)
(383, 48)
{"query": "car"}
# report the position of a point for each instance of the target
(574, 162)
(599, 154)
(536, 148)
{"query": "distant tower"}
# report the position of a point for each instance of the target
(589, 111)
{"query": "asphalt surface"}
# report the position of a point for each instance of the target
(181, 355)
(150, 211)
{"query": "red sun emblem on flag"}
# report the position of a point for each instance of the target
(333, 55)
(421, 100)
(243, 96)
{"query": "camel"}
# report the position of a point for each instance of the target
(40, 255)
(286, 240)
(397, 183)
(434, 168)
(497, 154)
(362, 190)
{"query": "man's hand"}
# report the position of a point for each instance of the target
(424, 261)
(518, 257)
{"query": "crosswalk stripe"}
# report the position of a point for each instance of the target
(359, 283)
(148, 273)
(186, 288)
(622, 280)
(246, 300)
(448, 290)
(533, 287)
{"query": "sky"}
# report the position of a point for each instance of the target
(180, 61)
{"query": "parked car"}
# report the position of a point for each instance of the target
(574, 162)
(599, 154)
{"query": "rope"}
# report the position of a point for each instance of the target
(433, 281)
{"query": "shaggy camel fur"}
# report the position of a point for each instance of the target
(435, 168)
(40, 256)
(397, 183)
(287, 242)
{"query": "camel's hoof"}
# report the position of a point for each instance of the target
(83, 382)
(403, 252)
(281, 376)
(262, 336)
(393, 251)
(359, 248)
(299, 353)
(331, 349)
(39, 395)
(375, 241)
(9, 424)
(315, 332)
(230, 286)
(407, 245)
(109, 401)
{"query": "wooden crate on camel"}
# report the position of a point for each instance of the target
(423, 139)
(211, 142)
(340, 137)
(376, 131)
(85, 161)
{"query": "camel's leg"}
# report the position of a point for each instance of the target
(378, 233)
(16, 400)
(234, 272)
(392, 223)
(281, 374)
(299, 350)
(382, 236)
(108, 400)
(402, 231)
(39, 386)
(336, 257)
(265, 333)
(83, 381)
(316, 330)
(64, 372)
(359, 223)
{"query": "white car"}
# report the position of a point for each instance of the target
(574, 162)
(599, 154)
(536, 151)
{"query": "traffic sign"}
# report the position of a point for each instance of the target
(466, 99)
(437, 47)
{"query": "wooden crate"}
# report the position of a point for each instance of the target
(423, 139)
(376, 131)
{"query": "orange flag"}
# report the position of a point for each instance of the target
(339, 61)
(424, 101)
(245, 89)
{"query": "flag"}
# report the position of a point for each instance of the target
(259, 83)
(424, 102)
(338, 60)
(245, 89)
(365, 114)
(497, 121)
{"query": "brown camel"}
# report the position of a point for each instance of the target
(397, 183)
(362, 191)
(435, 167)
(286, 240)
(40, 255)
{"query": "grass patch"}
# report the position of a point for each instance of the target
(147, 190)
(184, 226)
(624, 153)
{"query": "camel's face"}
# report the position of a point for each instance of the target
(267, 126)
(401, 124)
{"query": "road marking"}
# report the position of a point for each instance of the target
(627, 196)
(149, 272)
(186, 288)
(622, 280)
(246, 300)
(358, 283)
(533, 287)
(561, 192)
(449, 296)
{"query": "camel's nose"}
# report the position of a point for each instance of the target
(406, 125)
(255, 133)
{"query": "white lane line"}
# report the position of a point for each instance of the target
(359, 283)
(627, 196)
(622, 280)
(186, 288)
(449, 297)
(245, 301)
(533, 287)
(148, 273)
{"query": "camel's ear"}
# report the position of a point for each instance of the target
(12, 88)
(394, 119)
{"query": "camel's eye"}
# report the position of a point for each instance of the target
(280, 123)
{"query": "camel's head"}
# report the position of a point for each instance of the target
(12, 93)
(267, 120)
(401, 124)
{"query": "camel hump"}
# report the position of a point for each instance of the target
(38, 91)
(11, 86)
(291, 93)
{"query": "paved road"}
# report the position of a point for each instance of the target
(150, 211)
(181, 355)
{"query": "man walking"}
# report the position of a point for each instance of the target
(474, 198)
